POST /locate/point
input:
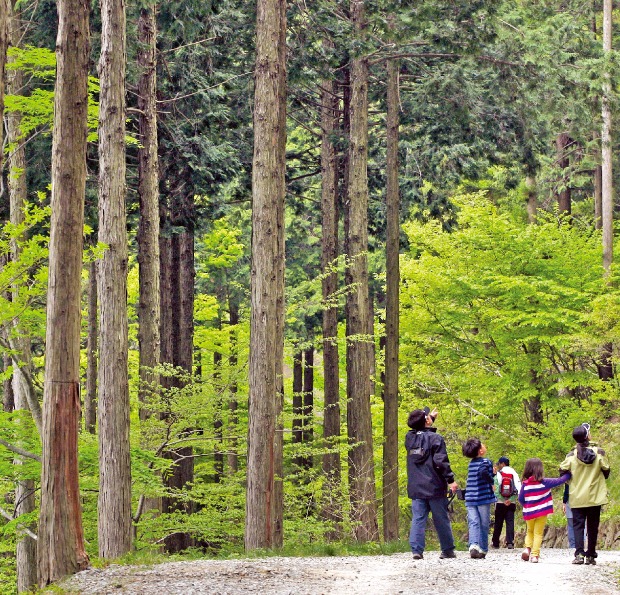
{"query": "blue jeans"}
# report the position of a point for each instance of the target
(479, 520)
(419, 513)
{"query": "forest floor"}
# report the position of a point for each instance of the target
(502, 571)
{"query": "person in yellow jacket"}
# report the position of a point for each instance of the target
(589, 468)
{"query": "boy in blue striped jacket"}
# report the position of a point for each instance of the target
(479, 496)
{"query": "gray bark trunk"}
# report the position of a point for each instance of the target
(148, 192)
(607, 210)
(233, 457)
(263, 497)
(114, 505)
(392, 284)
(331, 510)
(359, 344)
(90, 400)
(26, 551)
(61, 541)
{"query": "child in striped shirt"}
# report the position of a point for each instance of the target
(479, 496)
(535, 496)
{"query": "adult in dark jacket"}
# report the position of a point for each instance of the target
(428, 477)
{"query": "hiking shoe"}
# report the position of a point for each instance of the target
(510, 546)
(495, 547)
(447, 554)
(534, 559)
(525, 556)
(579, 559)
(475, 554)
(482, 555)
(417, 556)
(590, 560)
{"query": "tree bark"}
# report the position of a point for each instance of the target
(61, 541)
(359, 345)
(564, 195)
(263, 498)
(148, 192)
(607, 210)
(329, 254)
(297, 432)
(218, 422)
(114, 505)
(26, 551)
(532, 199)
(392, 285)
(233, 457)
(180, 317)
(308, 403)
(90, 401)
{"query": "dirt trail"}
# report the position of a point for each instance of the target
(501, 572)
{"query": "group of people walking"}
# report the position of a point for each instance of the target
(429, 477)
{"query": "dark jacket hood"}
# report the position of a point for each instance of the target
(586, 454)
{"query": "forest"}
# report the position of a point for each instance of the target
(241, 241)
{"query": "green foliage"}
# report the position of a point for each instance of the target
(497, 329)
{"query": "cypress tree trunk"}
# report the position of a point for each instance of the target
(218, 423)
(607, 210)
(263, 498)
(148, 192)
(90, 400)
(180, 343)
(392, 284)
(26, 551)
(61, 541)
(359, 346)
(308, 403)
(605, 367)
(8, 399)
(297, 433)
(233, 458)
(114, 505)
(329, 253)
(532, 200)
(564, 194)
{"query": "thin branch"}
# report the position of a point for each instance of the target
(23, 528)
(20, 451)
(203, 90)
(187, 45)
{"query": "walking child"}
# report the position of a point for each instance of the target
(479, 496)
(535, 496)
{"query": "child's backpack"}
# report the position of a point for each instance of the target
(507, 485)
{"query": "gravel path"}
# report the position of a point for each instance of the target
(502, 571)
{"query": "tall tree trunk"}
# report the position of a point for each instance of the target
(298, 386)
(329, 254)
(233, 421)
(90, 400)
(361, 463)
(8, 399)
(114, 505)
(598, 196)
(607, 185)
(61, 541)
(532, 198)
(218, 423)
(308, 403)
(148, 192)
(181, 263)
(564, 194)
(392, 287)
(605, 367)
(263, 502)
(26, 551)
